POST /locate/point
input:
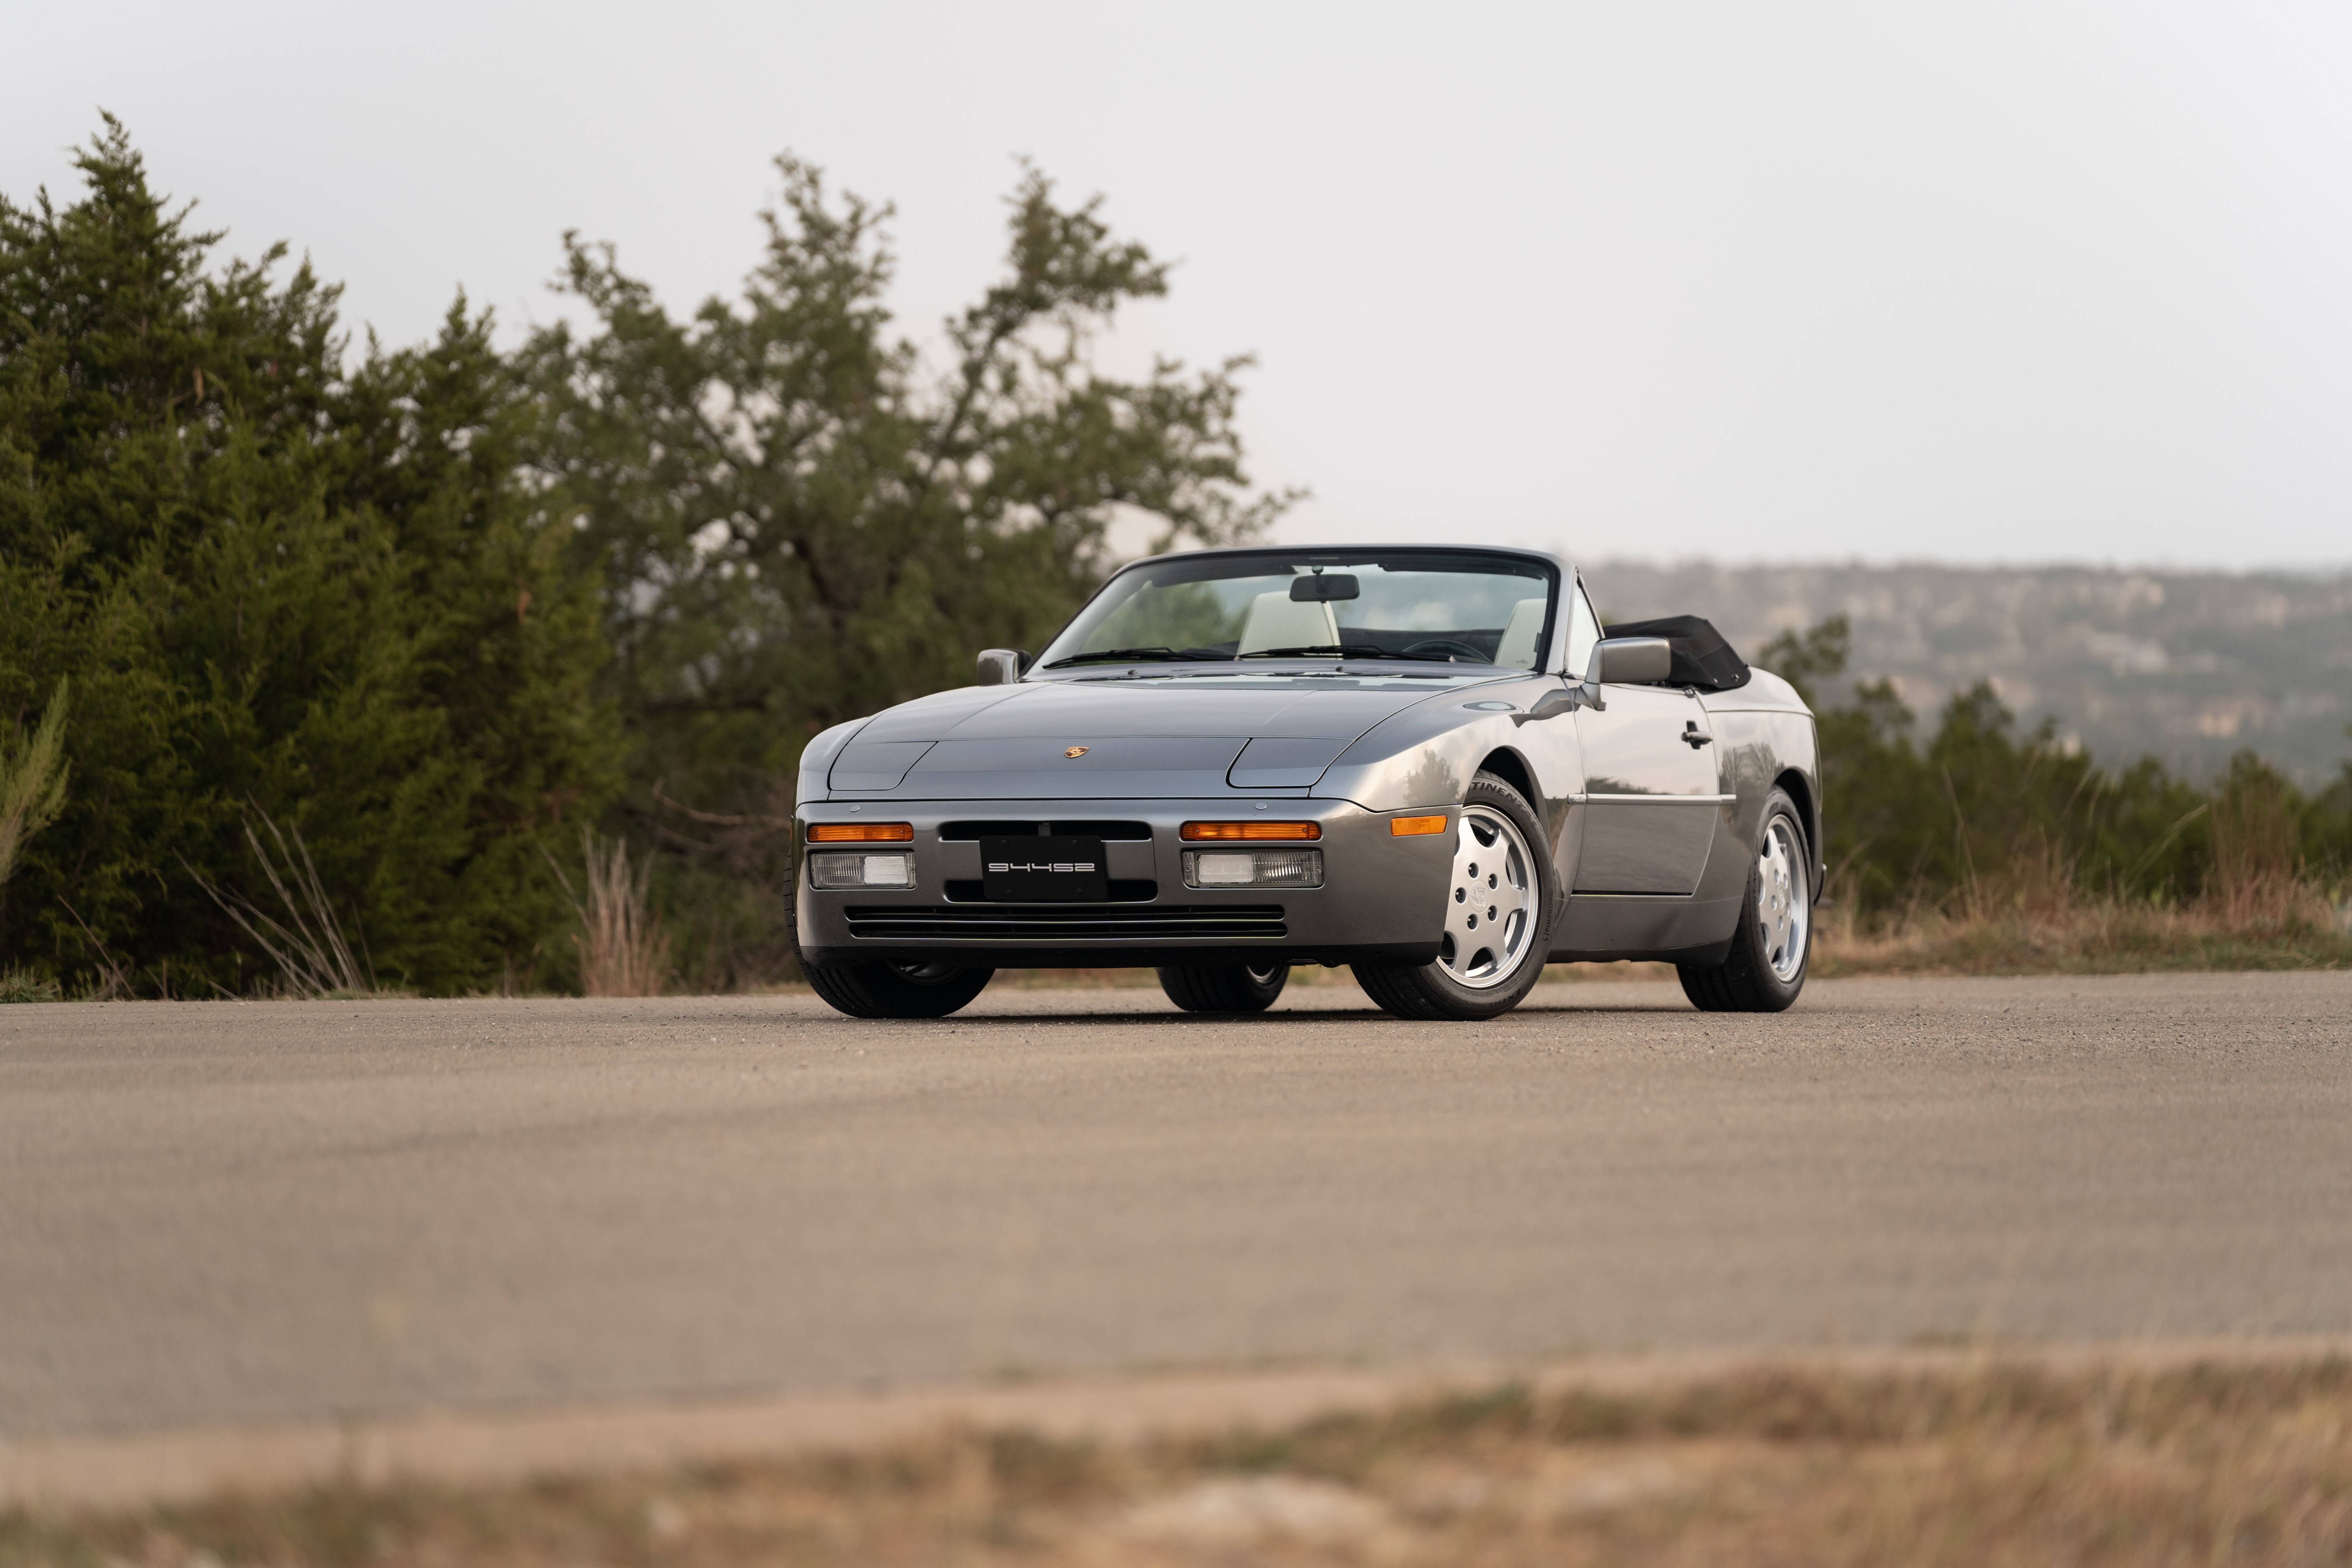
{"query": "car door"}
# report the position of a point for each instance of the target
(1652, 798)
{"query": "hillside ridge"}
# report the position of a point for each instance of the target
(2187, 666)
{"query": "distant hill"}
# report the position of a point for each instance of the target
(2187, 666)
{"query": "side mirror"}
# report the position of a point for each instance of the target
(1630, 661)
(1002, 666)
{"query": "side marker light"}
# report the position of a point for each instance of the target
(1414, 826)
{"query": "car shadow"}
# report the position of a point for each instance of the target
(1293, 1018)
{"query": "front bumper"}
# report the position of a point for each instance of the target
(1382, 897)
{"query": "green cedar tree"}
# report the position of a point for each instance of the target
(272, 585)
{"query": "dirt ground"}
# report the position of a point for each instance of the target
(1988, 1465)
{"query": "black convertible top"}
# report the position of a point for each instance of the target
(1702, 658)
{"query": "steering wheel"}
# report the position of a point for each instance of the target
(1447, 645)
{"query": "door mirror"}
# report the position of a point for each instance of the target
(1630, 661)
(1002, 666)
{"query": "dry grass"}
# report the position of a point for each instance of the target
(2260, 909)
(2000, 1465)
(2101, 940)
(2044, 926)
(624, 950)
(313, 957)
(24, 986)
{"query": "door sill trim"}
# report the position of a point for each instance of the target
(1653, 799)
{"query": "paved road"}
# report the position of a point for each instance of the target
(213, 1213)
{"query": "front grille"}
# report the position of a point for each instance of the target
(1126, 832)
(1065, 922)
(1119, 889)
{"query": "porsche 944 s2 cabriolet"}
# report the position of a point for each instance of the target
(1429, 764)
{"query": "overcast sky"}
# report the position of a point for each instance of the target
(1972, 282)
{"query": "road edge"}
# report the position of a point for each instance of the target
(451, 1447)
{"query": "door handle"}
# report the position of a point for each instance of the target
(1694, 737)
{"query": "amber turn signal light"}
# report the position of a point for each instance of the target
(1197, 831)
(1412, 827)
(861, 833)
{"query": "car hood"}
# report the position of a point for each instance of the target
(1050, 739)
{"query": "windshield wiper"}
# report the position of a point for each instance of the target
(1342, 650)
(1123, 655)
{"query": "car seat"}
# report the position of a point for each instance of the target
(1518, 647)
(1277, 620)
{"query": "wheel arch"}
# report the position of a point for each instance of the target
(1512, 768)
(1800, 790)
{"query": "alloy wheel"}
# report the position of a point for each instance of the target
(1490, 901)
(1783, 911)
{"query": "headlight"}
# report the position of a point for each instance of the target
(834, 868)
(1253, 867)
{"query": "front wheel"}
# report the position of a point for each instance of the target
(1498, 917)
(885, 990)
(1224, 988)
(1766, 967)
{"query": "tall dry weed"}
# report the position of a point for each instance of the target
(308, 945)
(33, 779)
(623, 951)
(2036, 883)
(2256, 881)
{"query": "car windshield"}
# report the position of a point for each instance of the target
(1420, 606)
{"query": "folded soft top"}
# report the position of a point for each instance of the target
(1702, 658)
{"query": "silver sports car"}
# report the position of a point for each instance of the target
(1429, 764)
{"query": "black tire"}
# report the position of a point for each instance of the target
(884, 990)
(1432, 992)
(1766, 967)
(1224, 988)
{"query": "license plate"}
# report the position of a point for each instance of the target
(1043, 868)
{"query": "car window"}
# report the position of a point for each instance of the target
(1583, 632)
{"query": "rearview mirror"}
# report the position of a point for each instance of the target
(1630, 661)
(1323, 589)
(1002, 666)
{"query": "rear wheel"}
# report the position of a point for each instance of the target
(1498, 917)
(885, 990)
(1766, 967)
(1224, 988)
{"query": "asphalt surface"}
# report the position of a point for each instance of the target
(213, 1213)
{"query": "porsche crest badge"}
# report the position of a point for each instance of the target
(1076, 751)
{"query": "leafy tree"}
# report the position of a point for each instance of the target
(505, 633)
(271, 586)
(1980, 810)
(799, 522)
